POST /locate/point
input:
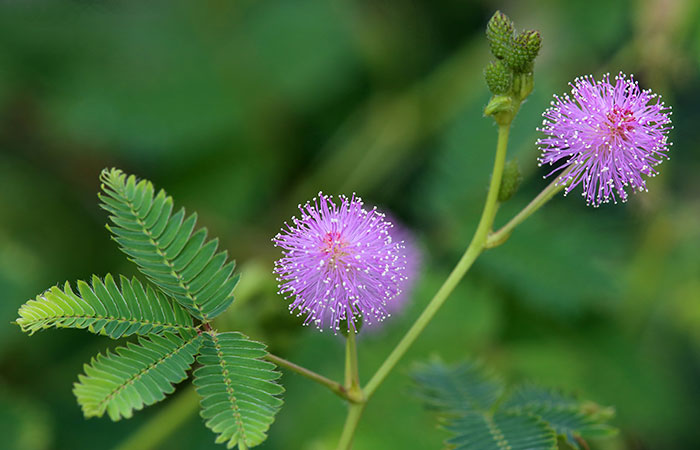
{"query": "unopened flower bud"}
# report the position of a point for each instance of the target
(523, 51)
(499, 32)
(498, 78)
(510, 182)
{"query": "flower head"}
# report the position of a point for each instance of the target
(608, 135)
(339, 262)
(413, 257)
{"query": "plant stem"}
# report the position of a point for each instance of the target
(354, 413)
(352, 384)
(334, 386)
(473, 251)
(499, 237)
(352, 373)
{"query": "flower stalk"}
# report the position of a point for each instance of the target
(475, 248)
(357, 399)
(497, 238)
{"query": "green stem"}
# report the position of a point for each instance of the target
(334, 386)
(354, 413)
(476, 247)
(352, 373)
(352, 384)
(499, 237)
(157, 429)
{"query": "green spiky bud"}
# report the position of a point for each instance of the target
(499, 32)
(523, 51)
(510, 181)
(498, 78)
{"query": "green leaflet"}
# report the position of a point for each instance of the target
(177, 259)
(464, 387)
(501, 431)
(103, 308)
(476, 409)
(240, 396)
(135, 375)
(567, 415)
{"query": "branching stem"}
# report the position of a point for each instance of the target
(473, 251)
(352, 384)
(499, 237)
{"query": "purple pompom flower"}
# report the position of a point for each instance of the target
(339, 262)
(399, 233)
(608, 136)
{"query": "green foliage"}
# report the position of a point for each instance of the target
(104, 308)
(457, 389)
(135, 375)
(479, 412)
(500, 431)
(240, 396)
(238, 389)
(568, 416)
(183, 264)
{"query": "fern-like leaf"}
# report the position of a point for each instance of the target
(163, 245)
(105, 309)
(240, 396)
(502, 431)
(454, 390)
(569, 417)
(135, 375)
(475, 409)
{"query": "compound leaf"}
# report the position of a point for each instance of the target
(240, 396)
(473, 407)
(140, 374)
(165, 247)
(501, 431)
(568, 416)
(453, 390)
(104, 308)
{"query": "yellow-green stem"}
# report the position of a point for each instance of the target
(352, 384)
(473, 251)
(352, 373)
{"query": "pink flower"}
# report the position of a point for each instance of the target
(339, 262)
(607, 135)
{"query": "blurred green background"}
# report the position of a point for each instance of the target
(243, 109)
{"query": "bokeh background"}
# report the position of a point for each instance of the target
(243, 109)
